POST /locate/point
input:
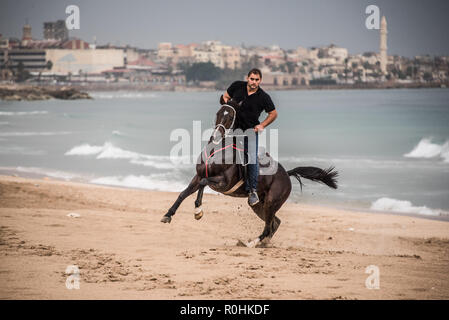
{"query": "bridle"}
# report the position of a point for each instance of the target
(226, 131)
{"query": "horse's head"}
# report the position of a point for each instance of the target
(224, 121)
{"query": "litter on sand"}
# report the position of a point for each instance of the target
(74, 215)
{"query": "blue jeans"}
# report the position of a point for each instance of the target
(251, 148)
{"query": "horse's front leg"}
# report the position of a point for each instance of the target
(198, 203)
(217, 181)
(191, 188)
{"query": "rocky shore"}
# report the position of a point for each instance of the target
(30, 93)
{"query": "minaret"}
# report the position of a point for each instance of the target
(26, 35)
(383, 45)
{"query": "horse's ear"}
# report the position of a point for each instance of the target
(222, 102)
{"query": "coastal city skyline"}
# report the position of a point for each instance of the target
(56, 52)
(415, 27)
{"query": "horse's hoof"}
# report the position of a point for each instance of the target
(166, 219)
(198, 213)
(249, 244)
(265, 243)
(252, 244)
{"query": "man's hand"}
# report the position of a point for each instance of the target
(259, 128)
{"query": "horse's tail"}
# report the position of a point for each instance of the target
(328, 177)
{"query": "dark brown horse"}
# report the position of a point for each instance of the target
(228, 178)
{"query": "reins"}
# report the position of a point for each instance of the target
(226, 131)
(213, 153)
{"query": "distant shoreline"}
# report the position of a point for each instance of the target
(78, 88)
(182, 88)
(19, 92)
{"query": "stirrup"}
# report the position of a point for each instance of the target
(253, 198)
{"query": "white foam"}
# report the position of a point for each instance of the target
(151, 182)
(403, 206)
(157, 182)
(358, 162)
(122, 95)
(21, 113)
(426, 149)
(118, 133)
(109, 151)
(20, 150)
(154, 164)
(445, 153)
(84, 150)
(28, 134)
(49, 172)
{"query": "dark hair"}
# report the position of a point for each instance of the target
(255, 71)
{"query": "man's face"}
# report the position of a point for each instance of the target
(253, 81)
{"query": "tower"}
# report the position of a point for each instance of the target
(56, 30)
(383, 45)
(26, 34)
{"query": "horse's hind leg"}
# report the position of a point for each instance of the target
(267, 213)
(259, 210)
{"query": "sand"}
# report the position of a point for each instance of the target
(122, 251)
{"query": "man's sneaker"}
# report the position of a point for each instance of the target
(253, 199)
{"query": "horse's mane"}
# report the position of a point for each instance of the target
(230, 102)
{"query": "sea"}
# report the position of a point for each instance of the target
(390, 147)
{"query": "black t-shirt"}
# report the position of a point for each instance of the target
(251, 106)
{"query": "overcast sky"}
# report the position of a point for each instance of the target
(414, 27)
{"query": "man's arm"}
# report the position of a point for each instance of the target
(272, 115)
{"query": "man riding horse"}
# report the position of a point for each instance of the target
(273, 187)
(252, 101)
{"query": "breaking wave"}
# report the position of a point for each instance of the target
(426, 149)
(49, 172)
(21, 113)
(404, 206)
(151, 182)
(32, 134)
(157, 182)
(109, 151)
(122, 95)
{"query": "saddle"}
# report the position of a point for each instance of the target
(243, 171)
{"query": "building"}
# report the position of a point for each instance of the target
(75, 44)
(340, 54)
(383, 45)
(209, 51)
(56, 30)
(183, 54)
(165, 51)
(26, 35)
(4, 42)
(303, 53)
(30, 59)
(231, 57)
(77, 61)
(282, 79)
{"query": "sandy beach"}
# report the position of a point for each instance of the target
(122, 250)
